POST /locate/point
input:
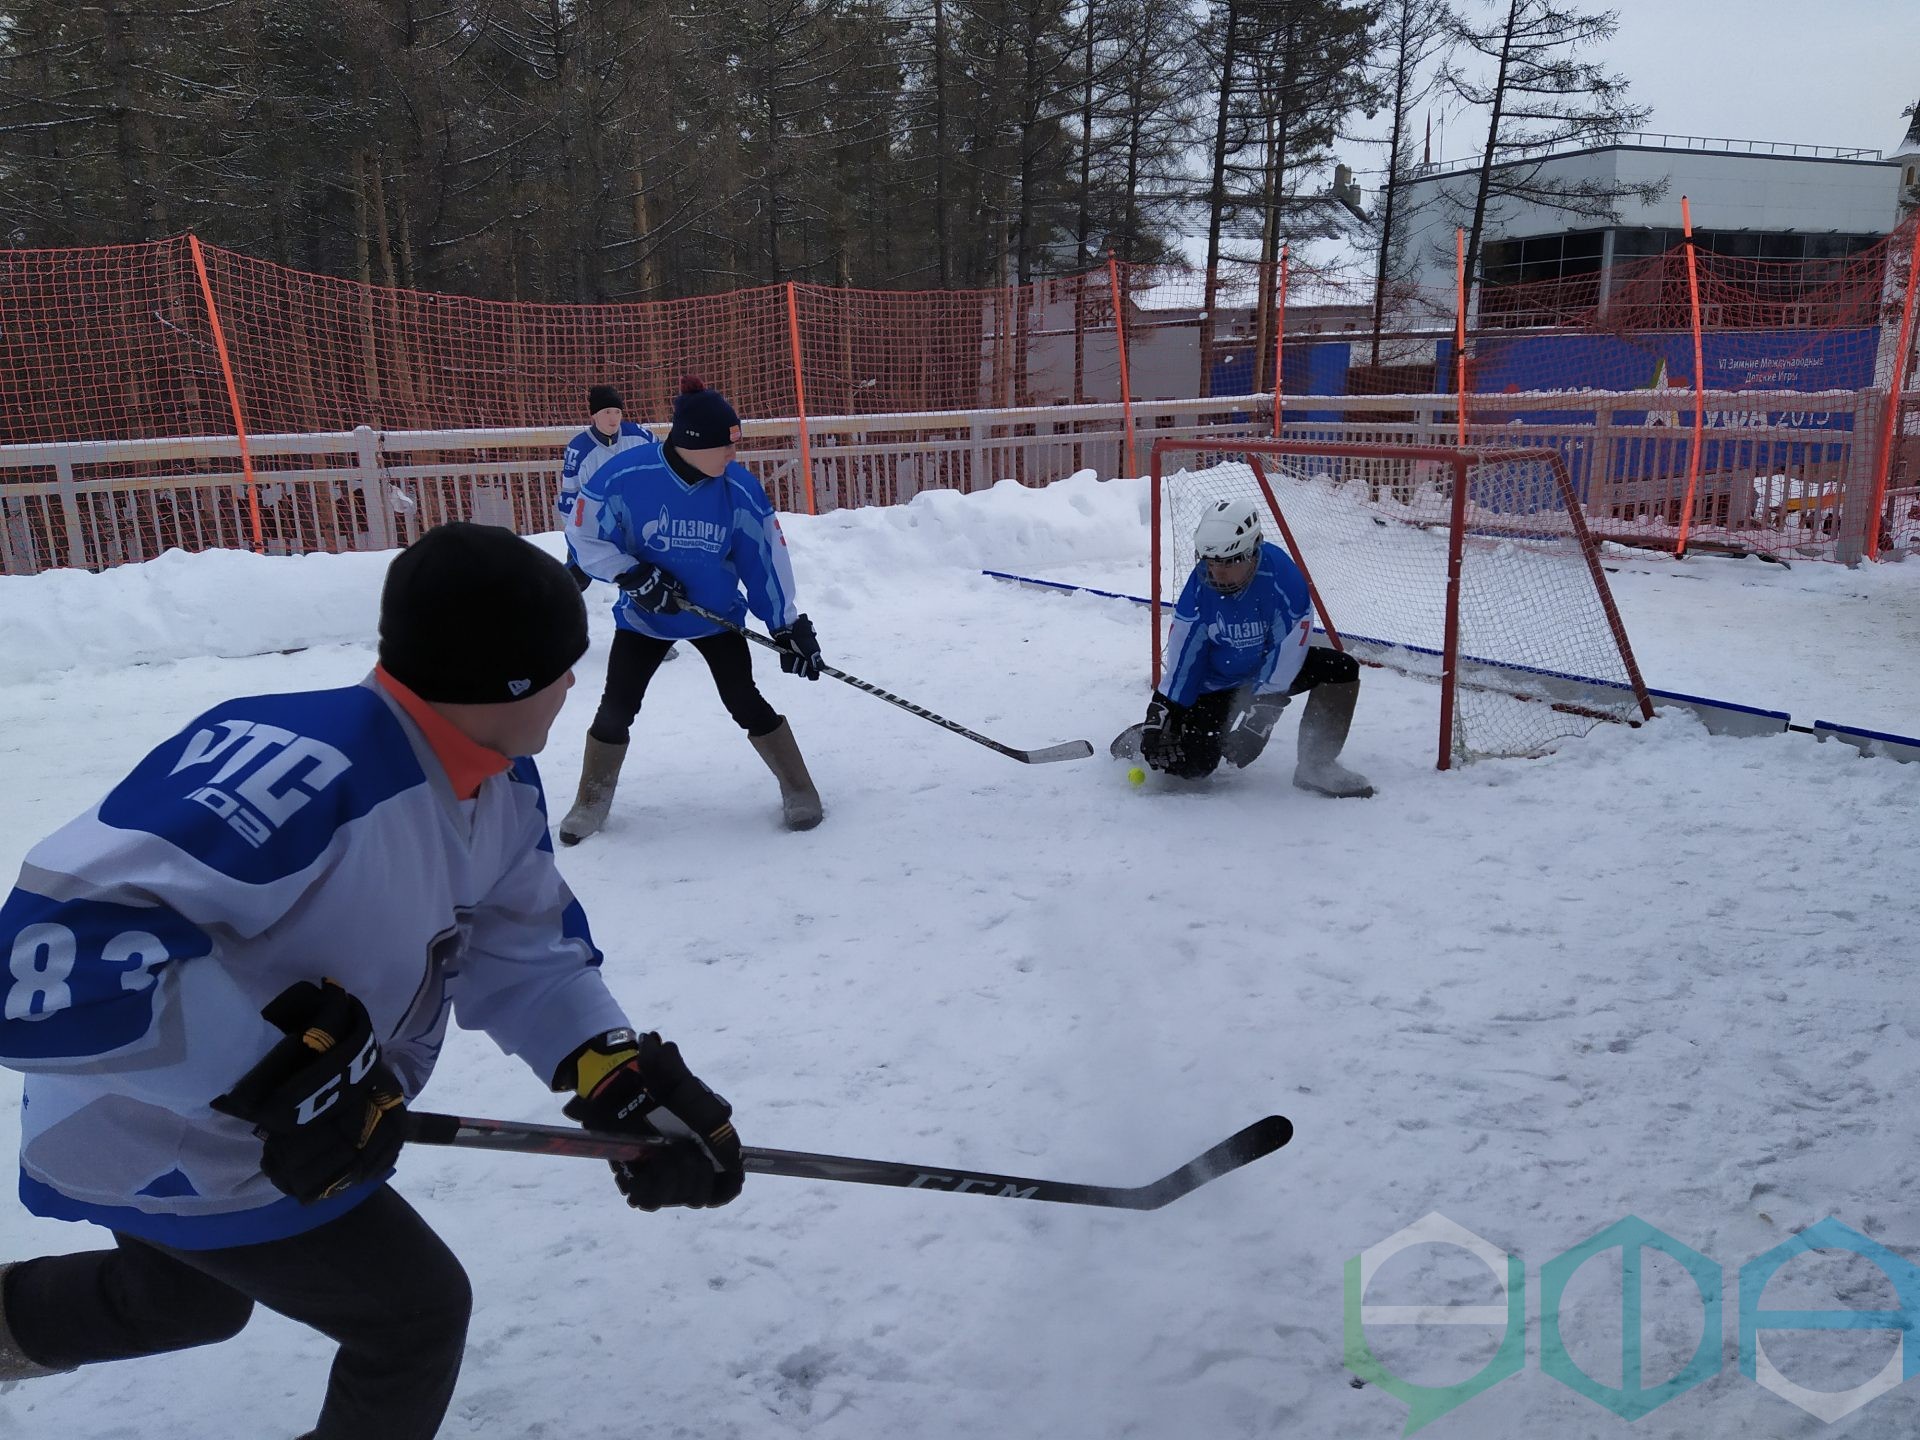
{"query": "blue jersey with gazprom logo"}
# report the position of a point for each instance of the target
(715, 537)
(1256, 638)
(276, 838)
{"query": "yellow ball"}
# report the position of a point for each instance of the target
(1136, 776)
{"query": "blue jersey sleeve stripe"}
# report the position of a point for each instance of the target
(760, 551)
(1187, 645)
(573, 926)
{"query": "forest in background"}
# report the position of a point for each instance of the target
(600, 150)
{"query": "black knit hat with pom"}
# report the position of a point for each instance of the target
(702, 418)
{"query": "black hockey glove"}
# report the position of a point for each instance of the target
(627, 1083)
(326, 1105)
(1250, 723)
(799, 651)
(653, 589)
(1160, 743)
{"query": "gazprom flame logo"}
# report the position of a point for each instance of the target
(654, 534)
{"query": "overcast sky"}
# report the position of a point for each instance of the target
(1812, 72)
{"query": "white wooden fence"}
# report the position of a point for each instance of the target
(1772, 486)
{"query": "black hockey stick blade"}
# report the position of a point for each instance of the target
(1263, 1137)
(1046, 755)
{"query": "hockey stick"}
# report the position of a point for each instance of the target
(1069, 750)
(1263, 1137)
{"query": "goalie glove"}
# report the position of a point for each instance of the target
(1249, 726)
(1160, 743)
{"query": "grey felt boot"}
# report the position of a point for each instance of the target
(1323, 731)
(799, 801)
(599, 775)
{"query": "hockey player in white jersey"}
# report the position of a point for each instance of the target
(608, 433)
(230, 975)
(1238, 650)
(682, 518)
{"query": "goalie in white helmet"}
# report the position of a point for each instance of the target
(1237, 652)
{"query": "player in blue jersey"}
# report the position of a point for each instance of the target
(608, 434)
(229, 976)
(683, 519)
(1237, 651)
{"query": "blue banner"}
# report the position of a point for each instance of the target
(1662, 364)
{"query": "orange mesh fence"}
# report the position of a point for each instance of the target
(1788, 353)
(317, 353)
(109, 343)
(1807, 422)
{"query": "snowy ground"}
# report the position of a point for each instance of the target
(1658, 974)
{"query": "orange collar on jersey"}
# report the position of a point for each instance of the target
(467, 762)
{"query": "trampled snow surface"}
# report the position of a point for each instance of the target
(1657, 973)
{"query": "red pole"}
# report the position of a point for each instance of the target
(233, 393)
(800, 395)
(1279, 343)
(1699, 383)
(1120, 332)
(1450, 644)
(1153, 559)
(1901, 353)
(1460, 333)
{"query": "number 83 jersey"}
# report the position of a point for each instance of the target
(276, 838)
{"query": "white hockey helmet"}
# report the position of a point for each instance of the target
(1230, 530)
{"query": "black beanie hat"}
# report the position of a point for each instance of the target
(474, 615)
(601, 397)
(702, 418)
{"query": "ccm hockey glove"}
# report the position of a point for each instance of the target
(628, 1084)
(799, 650)
(1160, 743)
(1249, 725)
(653, 589)
(326, 1105)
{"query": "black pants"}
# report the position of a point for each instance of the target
(377, 1280)
(635, 657)
(1197, 733)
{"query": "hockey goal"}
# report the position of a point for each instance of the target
(1470, 568)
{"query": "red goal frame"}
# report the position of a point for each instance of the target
(1461, 461)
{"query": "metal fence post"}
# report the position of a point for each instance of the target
(380, 533)
(70, 512)
(1858, 482)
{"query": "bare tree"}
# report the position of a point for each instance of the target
(1540, 95)
(1413, 33)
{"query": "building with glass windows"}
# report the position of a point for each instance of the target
(1774, 218)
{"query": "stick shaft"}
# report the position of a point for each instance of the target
(1261, 1138)
(1071, 750)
